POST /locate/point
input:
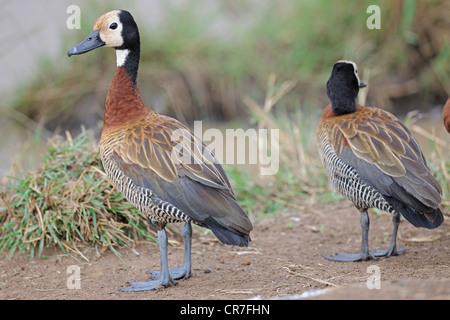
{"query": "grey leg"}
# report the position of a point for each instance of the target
(187, 237)
(185, 270)
(364, 254)
(392, 249)
(165, 278)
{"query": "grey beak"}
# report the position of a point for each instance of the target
(90, 43)
(362, 84)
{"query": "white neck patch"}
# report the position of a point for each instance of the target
(121, 56)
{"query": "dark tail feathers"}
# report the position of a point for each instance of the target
(429, 220)
(227, 237)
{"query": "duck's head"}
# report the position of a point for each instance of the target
(115, 29)
(345, 72)
(343, 86)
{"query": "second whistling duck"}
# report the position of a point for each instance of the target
(374, 161)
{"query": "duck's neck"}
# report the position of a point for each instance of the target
(123, 101)
(343, 106)
(129, 59)
(342, 98)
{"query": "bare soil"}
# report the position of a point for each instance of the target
(283, 261)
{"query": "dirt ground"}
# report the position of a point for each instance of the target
(283, 261)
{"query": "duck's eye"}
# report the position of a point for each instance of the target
(113, 26)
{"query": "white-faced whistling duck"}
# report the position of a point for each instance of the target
(157, 162)
(373, 160)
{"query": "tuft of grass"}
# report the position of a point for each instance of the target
(68, 202)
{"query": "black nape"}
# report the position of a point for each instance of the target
(131, 42)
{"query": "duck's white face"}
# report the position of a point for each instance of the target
(115, 29)
(110, 29)
(107, 31)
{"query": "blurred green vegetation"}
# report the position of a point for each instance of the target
(200, 63)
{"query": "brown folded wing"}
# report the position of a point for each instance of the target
(168, 159)
(384, 153)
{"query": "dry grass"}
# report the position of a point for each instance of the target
(68, 202)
